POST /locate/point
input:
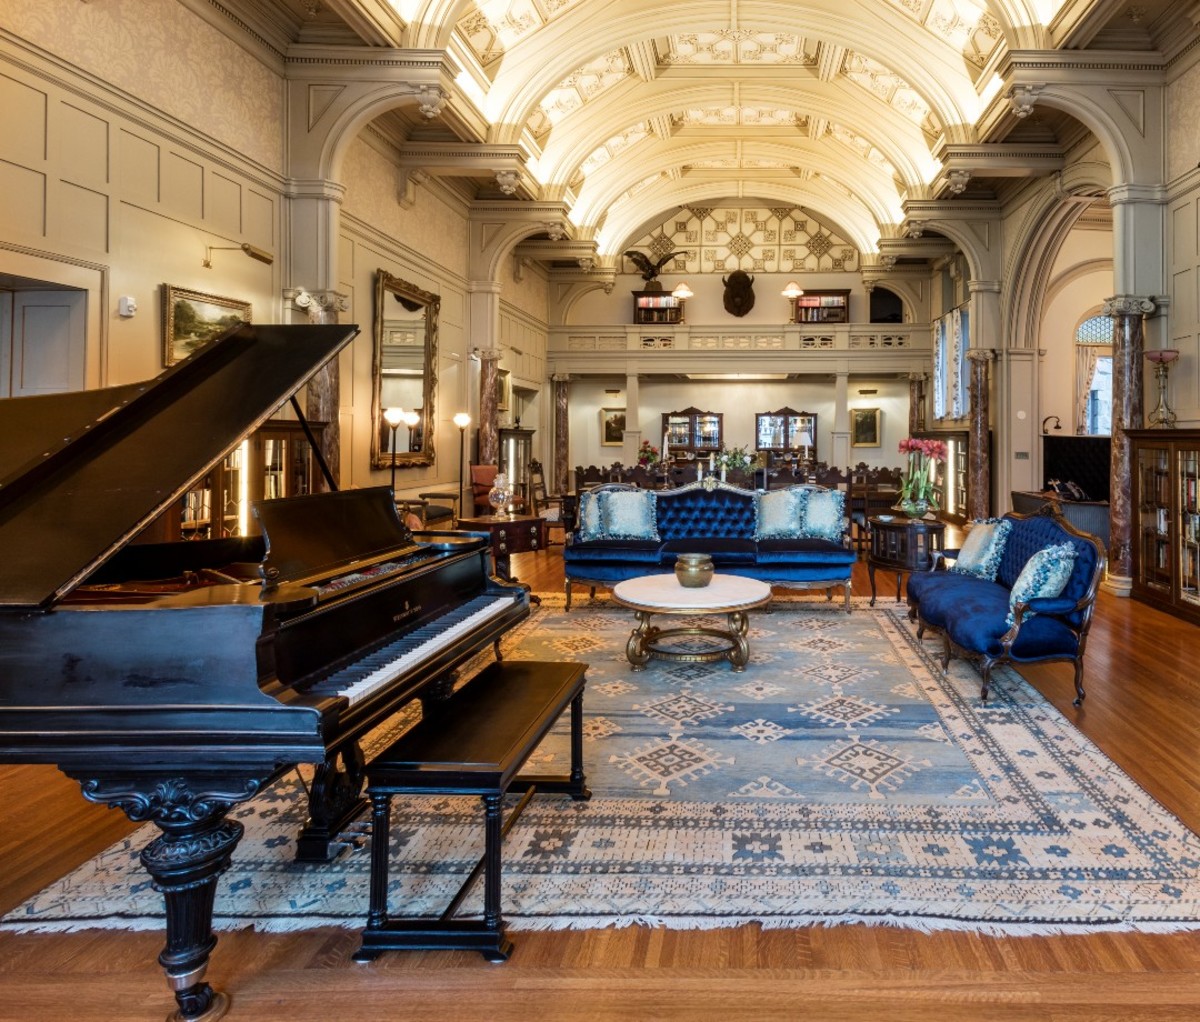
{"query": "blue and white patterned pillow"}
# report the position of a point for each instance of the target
(628, 514)
(983, 548)
(1045, 574)
(589, 516)
(824, 515)
(779, 514)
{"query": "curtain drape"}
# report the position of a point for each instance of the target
(1086, 357)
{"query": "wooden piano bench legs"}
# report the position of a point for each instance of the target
(473, 744)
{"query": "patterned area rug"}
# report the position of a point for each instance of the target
(840, 778)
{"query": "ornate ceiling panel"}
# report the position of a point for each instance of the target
(739, 46)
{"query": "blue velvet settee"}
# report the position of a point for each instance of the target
(1026, 595)
(793, 537)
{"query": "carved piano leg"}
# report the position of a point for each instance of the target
(184, 863)
(334, 801)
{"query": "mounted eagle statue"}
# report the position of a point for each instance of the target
(642, 262)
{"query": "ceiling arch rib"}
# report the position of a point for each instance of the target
(829, 204)
(882, 36)
(763, 160)
(577, 137)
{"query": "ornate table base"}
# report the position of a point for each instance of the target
(647, 641)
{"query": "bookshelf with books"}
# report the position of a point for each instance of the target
(276, 461)
(656, 307)
(822, 307)
(1166, 547)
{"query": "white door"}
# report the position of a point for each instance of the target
(45, 346)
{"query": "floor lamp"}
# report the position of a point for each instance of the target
(462, 420)
(393, 417)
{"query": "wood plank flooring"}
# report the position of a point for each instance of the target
(1143, 710)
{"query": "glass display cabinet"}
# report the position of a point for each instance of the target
(516, 451)
(787, 432)
(1166, 520)
(692, 432)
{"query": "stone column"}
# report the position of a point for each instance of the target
(840, 435)
(633, 421)
(916, 402)
(489, 432)
(560, 481)
(1128, 313)
(978, 456)
(322, 396)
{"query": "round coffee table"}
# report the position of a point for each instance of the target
(662, 594)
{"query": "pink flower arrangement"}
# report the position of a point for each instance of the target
(917, 482)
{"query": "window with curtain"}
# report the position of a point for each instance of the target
(1093, 376)
(951, 341)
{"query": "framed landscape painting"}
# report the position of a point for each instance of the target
(191, 319)
(612, 427)
(864, 427)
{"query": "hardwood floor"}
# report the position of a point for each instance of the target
(1143, 710)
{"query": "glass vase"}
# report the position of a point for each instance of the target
(915, 507)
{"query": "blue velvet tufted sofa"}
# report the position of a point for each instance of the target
(717, 519)
(971, 613)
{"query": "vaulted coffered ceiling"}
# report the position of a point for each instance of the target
(624, 110)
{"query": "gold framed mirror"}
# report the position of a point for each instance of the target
(404, 372)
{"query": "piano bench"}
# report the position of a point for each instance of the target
(473, 744)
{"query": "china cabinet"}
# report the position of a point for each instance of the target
(692, 432)
(1166, 520)
(787, 431)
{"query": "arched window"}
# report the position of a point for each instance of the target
(1093, 376)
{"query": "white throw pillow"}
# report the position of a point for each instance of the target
(779, 514)
(825, 515)
(628, 514)
(983, 548)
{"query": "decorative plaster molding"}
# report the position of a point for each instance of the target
(1023, 98)
(431, 100)
(981, 354)
(957, 181)
(915, 229)
(507, 181)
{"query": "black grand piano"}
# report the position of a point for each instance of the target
(175, 680)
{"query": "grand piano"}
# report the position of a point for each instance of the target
(176, 680)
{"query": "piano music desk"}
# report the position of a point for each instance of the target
(473, 744)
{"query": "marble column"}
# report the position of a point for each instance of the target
(322, 398)
(1128, 314)
(916, 402)
(489, 431)
(560, 481)
(979, 464)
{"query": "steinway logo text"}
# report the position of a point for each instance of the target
(410, 610)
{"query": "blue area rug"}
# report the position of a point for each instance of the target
(840, 778)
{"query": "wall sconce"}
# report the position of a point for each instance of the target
(682, 293)
(792, 293)
(1162, 416)
(1057, 422)
(253, 251)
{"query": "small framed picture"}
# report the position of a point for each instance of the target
(191, 319)
(612, 427)
(864, 427)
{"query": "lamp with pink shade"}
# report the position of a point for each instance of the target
(1162, 417)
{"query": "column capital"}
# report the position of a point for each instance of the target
(983, 286)
(317, 304)
(1122, 194)
(561, 377)
(316, 188)
(918, 376)
(489, 354)
(1128, 305)
(981, 354)
(483, 287)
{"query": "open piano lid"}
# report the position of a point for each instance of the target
(90, 470)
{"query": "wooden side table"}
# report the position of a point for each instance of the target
(901, 544)
(511, 534)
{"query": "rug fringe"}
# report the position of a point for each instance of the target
(542, 924)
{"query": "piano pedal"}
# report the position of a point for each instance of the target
(353, 838)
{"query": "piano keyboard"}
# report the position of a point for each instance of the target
(356, 682)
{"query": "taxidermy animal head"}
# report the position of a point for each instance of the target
(739, 293)
(648, 269)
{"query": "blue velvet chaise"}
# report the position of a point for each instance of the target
(776, 538)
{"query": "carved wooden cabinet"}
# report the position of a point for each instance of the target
(832, 306)
(1166, 519)
(787, 431)
(692, 431)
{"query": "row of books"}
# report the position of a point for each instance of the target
(197, 506)
(663, 301)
